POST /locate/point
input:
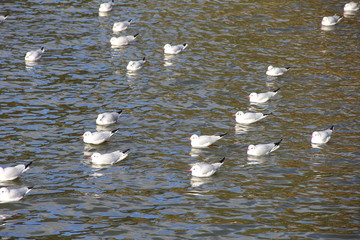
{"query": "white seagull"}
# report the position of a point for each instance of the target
(263, 149)
(109, 158)
(168, 49)
(321, 137)
(106, 7)
(205, 169)
(11, 173)
(351, 7)
(330, 21)
(15, 194)
(34, 55)
(108, 118)
(121, 26)
(249, 117)
(123, 40)
(135, 65)
(3, 18)
(204, 140)
(98, 137)
(262, 97)
(276, 71)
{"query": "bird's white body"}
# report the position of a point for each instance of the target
(205, 169)
(11, 173)
(321, 137)
(204, 140)
(108, 158)
(97, 137)
(11, 195)
(276, 71)
(121, 26)
(106, 7)
(248, 117)
(3, 18)
(262, 149)
(108, 118)
(122, 40)
(34, 55)
(330, 21)
(135, 65)
(262, 97)
(351, 7)
(175, 49)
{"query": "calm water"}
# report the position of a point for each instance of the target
(298, 192)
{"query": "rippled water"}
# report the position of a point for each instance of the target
(298, 192)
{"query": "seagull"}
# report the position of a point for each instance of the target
(11, 173)
(123, 40)
(109, 158)
(351, 7)
(330, 21)
(98, 137)
(204, 140)
(106, 7)
(263, 149)
(135, 65)
(108, 118)
(321, 137)
(249, 117)
(15, 194)
(3, 18)
(262, 97)
(34, 55)
(121, 26)
(276, 71)
(168, 49)
(205, 169)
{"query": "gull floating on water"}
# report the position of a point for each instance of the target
(135, 65)
(98, 137)
(263, 149)
(249, 117)
(351, 7)
(106, 7)
(276, 71)
(330, 21)
(205, 169)
(121, 26)
(175, 49)
(11, 173)
(3, 18)
(204, 140)
(262, 97)
(15, 194)
(108, 118)
(109, 158)
(321, 137)
(34, 55)
(123, 40)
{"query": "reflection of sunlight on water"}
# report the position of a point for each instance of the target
(327, 28)
(197, 182)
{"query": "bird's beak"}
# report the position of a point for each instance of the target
(234, 115)
(82, 136)
(248, 96)
(188, 138)
(89, 157)
(189, 170)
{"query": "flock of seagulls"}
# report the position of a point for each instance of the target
(203, 141)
